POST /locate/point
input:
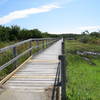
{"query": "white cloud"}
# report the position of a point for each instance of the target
(26, 12)
(89, 27)
(78, 30)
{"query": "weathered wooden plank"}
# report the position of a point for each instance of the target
(8, 76)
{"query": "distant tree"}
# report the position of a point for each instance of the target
(14, 32)
(4, 33)
(86, 32)
(95, 34)
(24, 34)
(45, 35)
(35, 33)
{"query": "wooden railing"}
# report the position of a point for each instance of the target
(29, 47)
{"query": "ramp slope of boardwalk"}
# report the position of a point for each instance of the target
(35, 78)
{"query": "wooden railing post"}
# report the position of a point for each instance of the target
(14, 55)
(30, 45)
(43, 44)
(46, 43)
(37, 43)
(57, 93)
(63, 48)
(63, 77)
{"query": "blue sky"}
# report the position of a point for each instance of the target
(53, 16)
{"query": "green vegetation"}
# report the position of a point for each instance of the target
(75, 45)
(14, 33)
(83, 77)
(85, 37)
(5, 43)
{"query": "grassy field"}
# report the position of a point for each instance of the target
(83, 78)
(74, 45)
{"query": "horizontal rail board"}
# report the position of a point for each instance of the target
(20, 43)
(14, 59)
(12, 46)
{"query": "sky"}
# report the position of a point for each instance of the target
(53, 16)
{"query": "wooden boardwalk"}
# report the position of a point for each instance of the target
(35, 79)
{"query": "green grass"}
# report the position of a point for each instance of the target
(73, 45)
(4, 44)
(83, 78)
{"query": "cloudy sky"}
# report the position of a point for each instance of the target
(54, 16)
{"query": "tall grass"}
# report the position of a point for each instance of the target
(83, 78)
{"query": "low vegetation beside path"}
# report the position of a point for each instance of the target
(83, 71)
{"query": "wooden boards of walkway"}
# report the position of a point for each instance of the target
(35, 78)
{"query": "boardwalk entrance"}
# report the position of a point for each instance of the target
(35, 79)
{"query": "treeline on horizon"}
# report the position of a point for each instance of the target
(14, 32)
(85, 37)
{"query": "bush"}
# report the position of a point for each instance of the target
(85, 39)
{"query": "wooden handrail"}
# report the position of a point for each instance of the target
(16, 57)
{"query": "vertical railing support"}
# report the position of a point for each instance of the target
(30, 45)
(14, 55)
(43, 44)
(57, 93)
(37, 43)
(46, 43)
(63, 47)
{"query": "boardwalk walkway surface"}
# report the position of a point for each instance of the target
(36, 78)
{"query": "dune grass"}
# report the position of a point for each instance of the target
(83, 78)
